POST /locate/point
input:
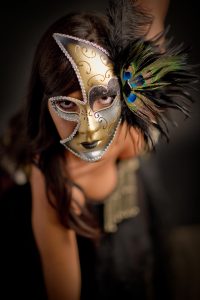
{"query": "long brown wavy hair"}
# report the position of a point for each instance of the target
(53, 75)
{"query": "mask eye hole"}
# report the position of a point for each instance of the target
(67, 106)
(103, 102)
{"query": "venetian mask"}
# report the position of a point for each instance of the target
(97, 114)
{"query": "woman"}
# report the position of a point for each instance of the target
(80, 135)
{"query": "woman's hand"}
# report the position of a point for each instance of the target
(158, 9)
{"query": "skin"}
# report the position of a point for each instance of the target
(158, 9)
(57, 245)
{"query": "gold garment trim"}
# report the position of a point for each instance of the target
(122, 203)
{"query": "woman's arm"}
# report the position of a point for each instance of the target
(57, 245)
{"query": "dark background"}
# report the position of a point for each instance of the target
(23, 25)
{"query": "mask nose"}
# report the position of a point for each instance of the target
(89, 125)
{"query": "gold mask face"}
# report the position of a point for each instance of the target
(97, 114)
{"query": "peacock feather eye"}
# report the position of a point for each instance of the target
(127, 75)
(131, 98)
(137, 82)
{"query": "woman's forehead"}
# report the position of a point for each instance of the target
(76, 94)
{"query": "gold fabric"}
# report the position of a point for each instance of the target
(122, 203)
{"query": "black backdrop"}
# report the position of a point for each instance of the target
(22, 26)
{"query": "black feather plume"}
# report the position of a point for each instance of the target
(151, 80)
